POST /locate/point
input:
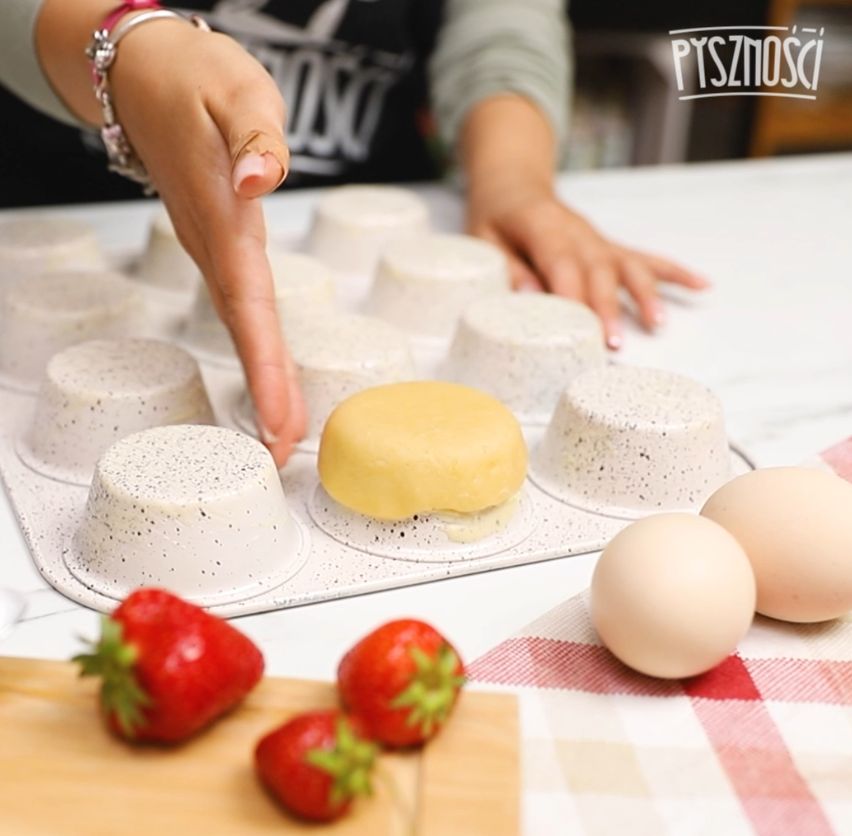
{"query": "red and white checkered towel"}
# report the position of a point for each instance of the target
(761, 744)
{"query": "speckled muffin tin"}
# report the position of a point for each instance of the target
(97, 392)
(525, 348)
(304, 290)
(165, 265)
(353, 224)
(43, 314)
(336, 356)
(628, 441)
(423, 284)
(197, 509)
(428, 538)
(42, 243)
(340, 561)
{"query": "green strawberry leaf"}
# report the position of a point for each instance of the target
(349, 763)
(114, 660)
(432, 692)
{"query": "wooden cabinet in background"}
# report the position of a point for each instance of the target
(795, 125)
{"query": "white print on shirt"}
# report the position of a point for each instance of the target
(335, 92)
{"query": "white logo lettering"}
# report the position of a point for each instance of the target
(775, 63)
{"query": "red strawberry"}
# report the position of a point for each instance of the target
(316, 764)
(402, 681)
(168, 668)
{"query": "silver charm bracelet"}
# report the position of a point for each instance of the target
(102, 51)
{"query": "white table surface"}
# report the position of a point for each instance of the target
(773, 339)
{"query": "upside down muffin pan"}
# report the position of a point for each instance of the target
(129, 448)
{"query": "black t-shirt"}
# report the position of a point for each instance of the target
(353, 75)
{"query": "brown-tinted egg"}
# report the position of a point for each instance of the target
(672, 595)
(795, 525)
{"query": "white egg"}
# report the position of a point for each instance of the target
(672, 595)
(795, 525)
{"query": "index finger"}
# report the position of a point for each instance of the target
(244, 279)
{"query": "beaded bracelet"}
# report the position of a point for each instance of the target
(102, 51)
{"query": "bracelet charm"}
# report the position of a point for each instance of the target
(102, 51)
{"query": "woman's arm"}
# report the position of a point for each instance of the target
(207, 120)
(19, 67)
(507, 139)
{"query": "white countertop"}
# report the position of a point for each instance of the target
(773, 339)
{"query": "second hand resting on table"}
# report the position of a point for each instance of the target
(211, 138)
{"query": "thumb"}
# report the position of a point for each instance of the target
(252, 125)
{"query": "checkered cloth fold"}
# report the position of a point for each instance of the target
(761, 744)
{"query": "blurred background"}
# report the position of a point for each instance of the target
(625, 111)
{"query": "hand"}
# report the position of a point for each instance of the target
(550, 247)
(207, 121)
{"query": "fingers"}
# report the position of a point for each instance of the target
(521, 276)
(245, 282)
(565, 277)
(555, 267)
(603, 300)
(254, 175)
(670, 271)
(250, 118)
(642, 286)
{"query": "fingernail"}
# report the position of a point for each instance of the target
(614, 339)
(658, 315)
(247, 167)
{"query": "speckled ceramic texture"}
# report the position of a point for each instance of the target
(304, 289)
(337, 356)
(50, 512)
(525, 348)
(430, 538)
(352, 225)
(630, 441)
(41, 315)
(41, 244)
(165, 265)
(423, 284)
(100, 391)
(197, 509)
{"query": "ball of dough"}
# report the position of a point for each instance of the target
(795, 525)
(407, 448)
(672, 595)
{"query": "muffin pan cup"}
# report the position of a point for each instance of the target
(524, 349)
(44, 314)
(198, 509)
(40, 244)
(165, 266)
(97, 392)
(423, 284)
(336, 356)
(627, 442)
(304, 290)
(352, 225)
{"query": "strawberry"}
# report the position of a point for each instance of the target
(402, 681)
(316, 764)
(168, 668)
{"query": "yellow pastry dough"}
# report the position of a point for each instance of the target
(407, 448)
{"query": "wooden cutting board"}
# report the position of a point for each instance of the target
(62, 773)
